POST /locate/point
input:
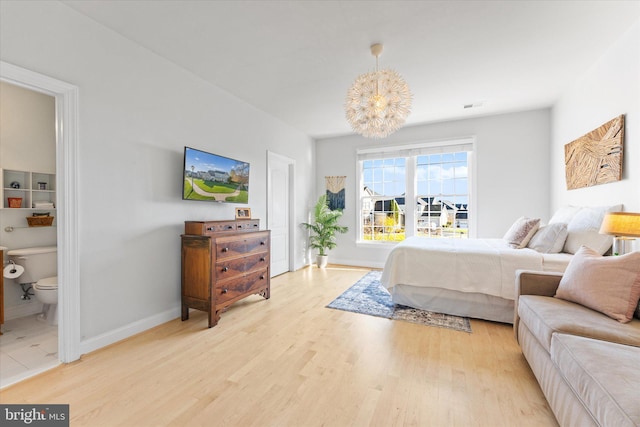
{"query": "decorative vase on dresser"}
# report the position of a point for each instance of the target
(223, 262)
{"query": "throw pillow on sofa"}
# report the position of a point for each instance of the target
(608, 284)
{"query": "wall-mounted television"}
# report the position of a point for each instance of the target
(213, 178)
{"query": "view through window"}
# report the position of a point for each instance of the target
(421, 191)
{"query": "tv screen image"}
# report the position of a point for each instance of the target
(213, 178)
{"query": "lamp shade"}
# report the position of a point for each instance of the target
(625, 224)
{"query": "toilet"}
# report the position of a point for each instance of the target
(40, 270)
(46, 291)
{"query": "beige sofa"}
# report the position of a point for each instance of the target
(587, 364)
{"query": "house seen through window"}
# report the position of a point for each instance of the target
(421, 190)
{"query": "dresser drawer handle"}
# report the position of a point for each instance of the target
(210, 228)
(263, 243)
(225, 269)
(262, 259)
(225, 290)
(225, 249)
(229, 227)
(255, 225)
(262, 277)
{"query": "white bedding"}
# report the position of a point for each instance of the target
(484, 266)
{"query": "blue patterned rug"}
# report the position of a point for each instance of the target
(368, 296)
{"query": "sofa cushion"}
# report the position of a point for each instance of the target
(605, 376)
(610, 285)
(546, 315)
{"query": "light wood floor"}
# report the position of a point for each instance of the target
(290, 361)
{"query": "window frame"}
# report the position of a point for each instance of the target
(411, 152)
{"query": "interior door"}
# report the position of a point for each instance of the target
(279, 208)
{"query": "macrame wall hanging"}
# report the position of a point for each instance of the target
(335, 191)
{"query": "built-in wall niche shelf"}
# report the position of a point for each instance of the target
(35, 190)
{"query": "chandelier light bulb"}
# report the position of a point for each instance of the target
(378, 103)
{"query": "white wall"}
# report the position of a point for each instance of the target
(512, 173)
(609, 88)
(137, 111)
(27, 143)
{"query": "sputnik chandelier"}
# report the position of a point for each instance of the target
(378, 103)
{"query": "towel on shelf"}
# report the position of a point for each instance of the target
(43, 205)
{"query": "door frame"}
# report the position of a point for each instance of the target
(291, 171)
(67, 141)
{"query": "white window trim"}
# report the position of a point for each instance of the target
(467, 143)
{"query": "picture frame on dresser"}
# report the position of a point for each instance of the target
(243, 213)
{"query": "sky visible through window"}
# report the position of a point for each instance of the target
(436, 174)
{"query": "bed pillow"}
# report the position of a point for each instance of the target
(549, 239)
(564, 214)
(608, 284)
(521, 232)
(584, 229)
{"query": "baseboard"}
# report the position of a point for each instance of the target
(22, 310)
(357, 263)
(103, 340)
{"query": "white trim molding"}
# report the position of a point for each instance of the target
(67, 141)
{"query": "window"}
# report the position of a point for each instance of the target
(418, 190)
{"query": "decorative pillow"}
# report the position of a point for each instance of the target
(584, 229)
(564, 214)
(610, 285)
(521, 231)
(549, 239)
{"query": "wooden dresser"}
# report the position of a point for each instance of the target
(223, 262)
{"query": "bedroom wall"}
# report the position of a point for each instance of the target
(607, 89)
(512, 173)
(137, 112)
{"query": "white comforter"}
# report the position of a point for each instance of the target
(484, 266)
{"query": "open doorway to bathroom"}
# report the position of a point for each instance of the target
(29, 343)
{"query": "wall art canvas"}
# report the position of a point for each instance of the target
(595, 158)
(335, 192)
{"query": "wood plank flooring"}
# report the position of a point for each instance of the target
(289, 361)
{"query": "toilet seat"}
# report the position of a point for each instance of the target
(48, 283)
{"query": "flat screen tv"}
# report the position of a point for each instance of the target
(213, 178)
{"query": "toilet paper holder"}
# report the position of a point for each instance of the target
(13, 269)
(27, 288)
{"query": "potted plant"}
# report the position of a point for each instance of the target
(324, 229)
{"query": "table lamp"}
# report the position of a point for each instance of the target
(623, 226)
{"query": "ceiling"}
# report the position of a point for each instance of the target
(296, 59)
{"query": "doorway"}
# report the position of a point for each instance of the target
(66, 121)
(280, 185)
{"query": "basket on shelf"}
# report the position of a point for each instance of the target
(15, 202)
(40, 221)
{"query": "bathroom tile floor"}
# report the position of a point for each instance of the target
(27, 347)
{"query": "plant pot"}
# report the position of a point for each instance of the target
(321, 260)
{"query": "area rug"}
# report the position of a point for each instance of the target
(368, 296)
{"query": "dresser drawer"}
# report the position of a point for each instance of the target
(248, 225)
(210, 228)
(241, 286)
(237, 245)
(230, 267)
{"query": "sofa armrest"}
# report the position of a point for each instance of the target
(544, 283)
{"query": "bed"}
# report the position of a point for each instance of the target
(476, 277)
(464, 277)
